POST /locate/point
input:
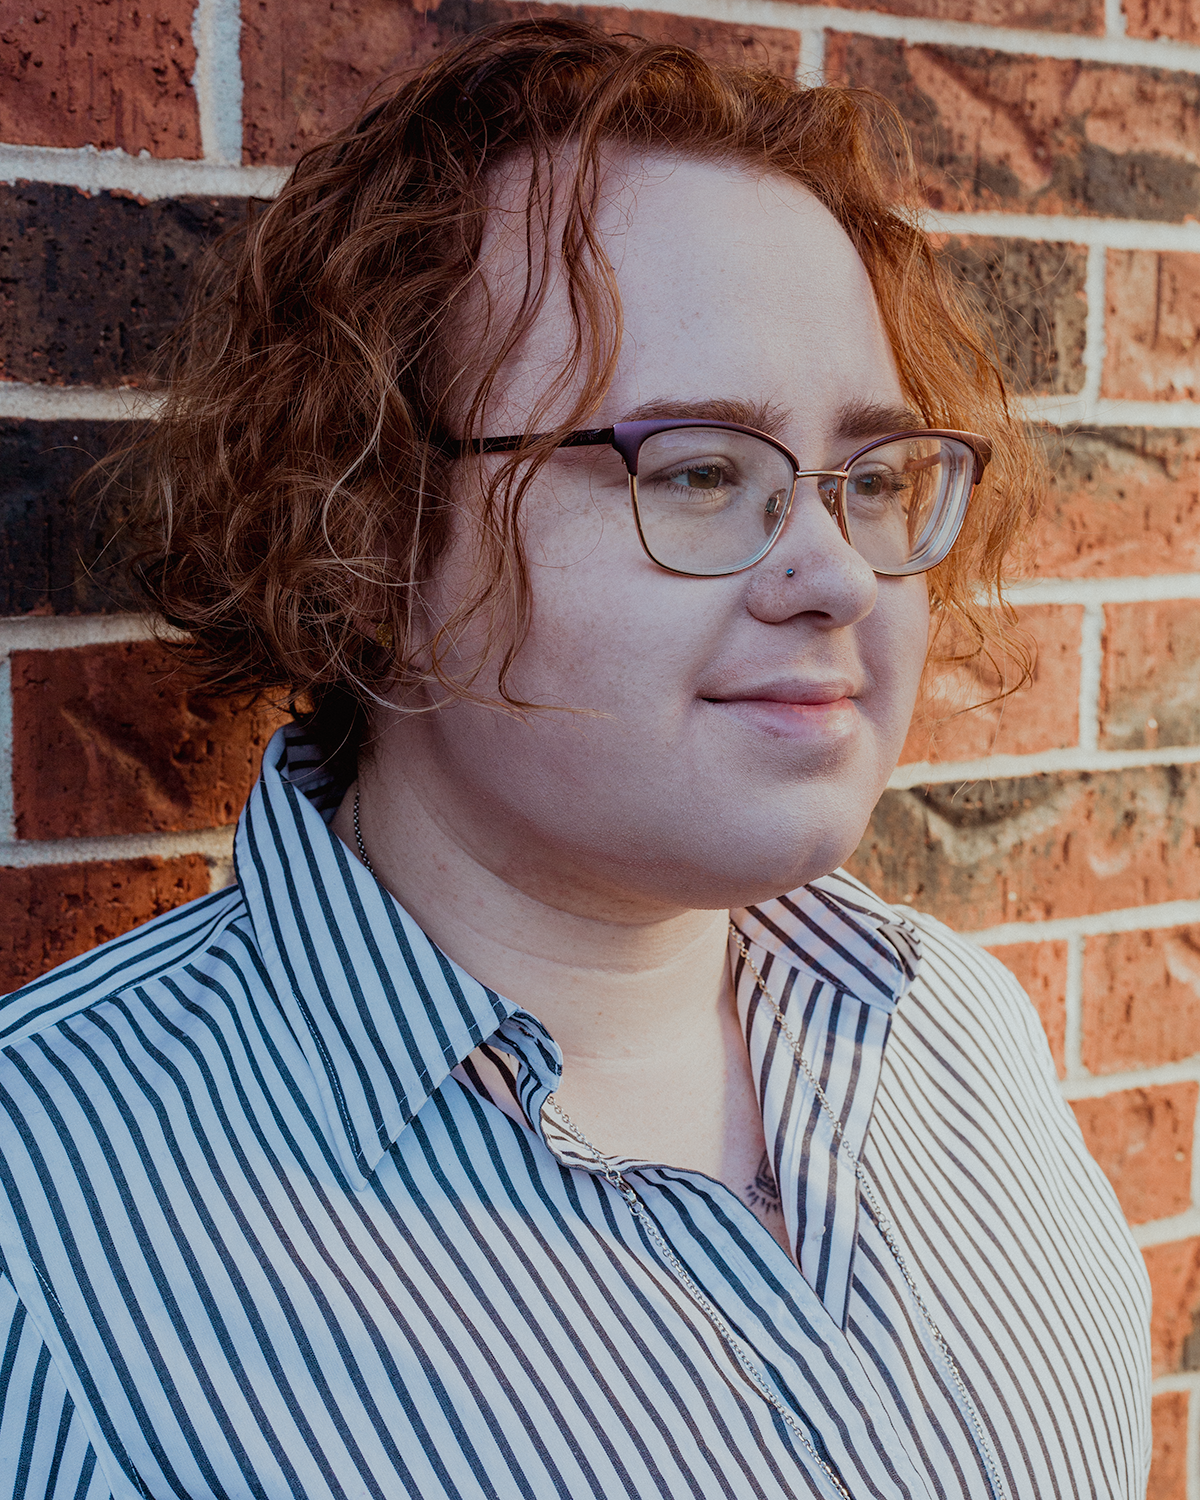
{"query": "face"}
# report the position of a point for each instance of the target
(728, 736)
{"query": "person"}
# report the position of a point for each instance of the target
(583, 442)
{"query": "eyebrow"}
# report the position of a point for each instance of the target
(855, 419)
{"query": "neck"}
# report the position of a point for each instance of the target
(611, 978)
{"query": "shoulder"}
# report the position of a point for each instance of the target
(964, 995)
(166, 944)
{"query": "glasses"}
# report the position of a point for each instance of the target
(711, 498)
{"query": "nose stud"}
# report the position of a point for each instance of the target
(791, 572)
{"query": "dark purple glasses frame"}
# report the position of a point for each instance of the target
(627, 439)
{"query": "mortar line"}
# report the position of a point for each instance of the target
(1094, 335)
(1072, 229)
(217, 80)
(1114, 18)
(214, 845)
(811, 70)
(1148, 918)
(1073, 1002)
(66, 632)
(1193, 1446)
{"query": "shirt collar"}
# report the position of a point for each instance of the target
(384, 1016)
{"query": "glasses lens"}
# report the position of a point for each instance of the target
(710, 500)
(906, 499)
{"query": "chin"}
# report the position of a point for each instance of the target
(735, 869)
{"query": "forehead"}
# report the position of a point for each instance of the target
(730, 282)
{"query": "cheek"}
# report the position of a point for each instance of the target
(899, 644)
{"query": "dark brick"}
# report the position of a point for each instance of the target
(60, 552)
(1037, 847)
(91, 286)
(102, 73)
(1037, 134)
(51, 913)
(115, 739)
(309, 65)
(1032, 293)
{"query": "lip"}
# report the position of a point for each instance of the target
(821, 711)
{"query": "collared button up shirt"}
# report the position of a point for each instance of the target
(282, 1215)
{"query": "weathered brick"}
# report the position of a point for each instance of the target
(1168, 1465)
(91, 286)
(1086, 16)
(102, 73)
(1123, 500)
(309, 65)
(1148, 680)
(1175, 1321)
(59, 551)
(1142, 1141)
(114, 739)
(1044, 715)
(1035, 847)
(1141, 998)
(51, 913)
(1032, 294)
(1152, 325)
(1177, 19)
(1037, 134)
(1042, 970)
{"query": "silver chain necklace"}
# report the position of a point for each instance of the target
(613, 1175)
(362, 848)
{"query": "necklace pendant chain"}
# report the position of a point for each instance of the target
(362, 848)
(616, 1178)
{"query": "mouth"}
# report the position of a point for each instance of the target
(821, 711)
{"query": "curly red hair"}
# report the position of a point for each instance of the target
(293, 489)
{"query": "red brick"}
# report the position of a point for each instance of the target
(1168, 1465)
(1142, 1140)
(1141, 998)
(1152, 325)
(1042, 971)
(309, 65)
(1175, 1321)
(1123, 501)
(102, 73)
(1178, 19)
(1037, 134)
(1044, 715)
(1148, 681)
(114, 739)
(90, 287)
(1031, 293)
(51, 913)
(1036, 847)
(1086, 16)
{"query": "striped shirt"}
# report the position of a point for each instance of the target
(283, 1215)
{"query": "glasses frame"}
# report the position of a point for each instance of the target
(626, 438)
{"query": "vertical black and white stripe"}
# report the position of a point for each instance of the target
(280, 1217)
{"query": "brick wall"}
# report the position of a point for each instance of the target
(1061, 149)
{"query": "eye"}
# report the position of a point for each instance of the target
(878, 483)
(708, 475)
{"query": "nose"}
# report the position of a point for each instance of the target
(812, 569)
